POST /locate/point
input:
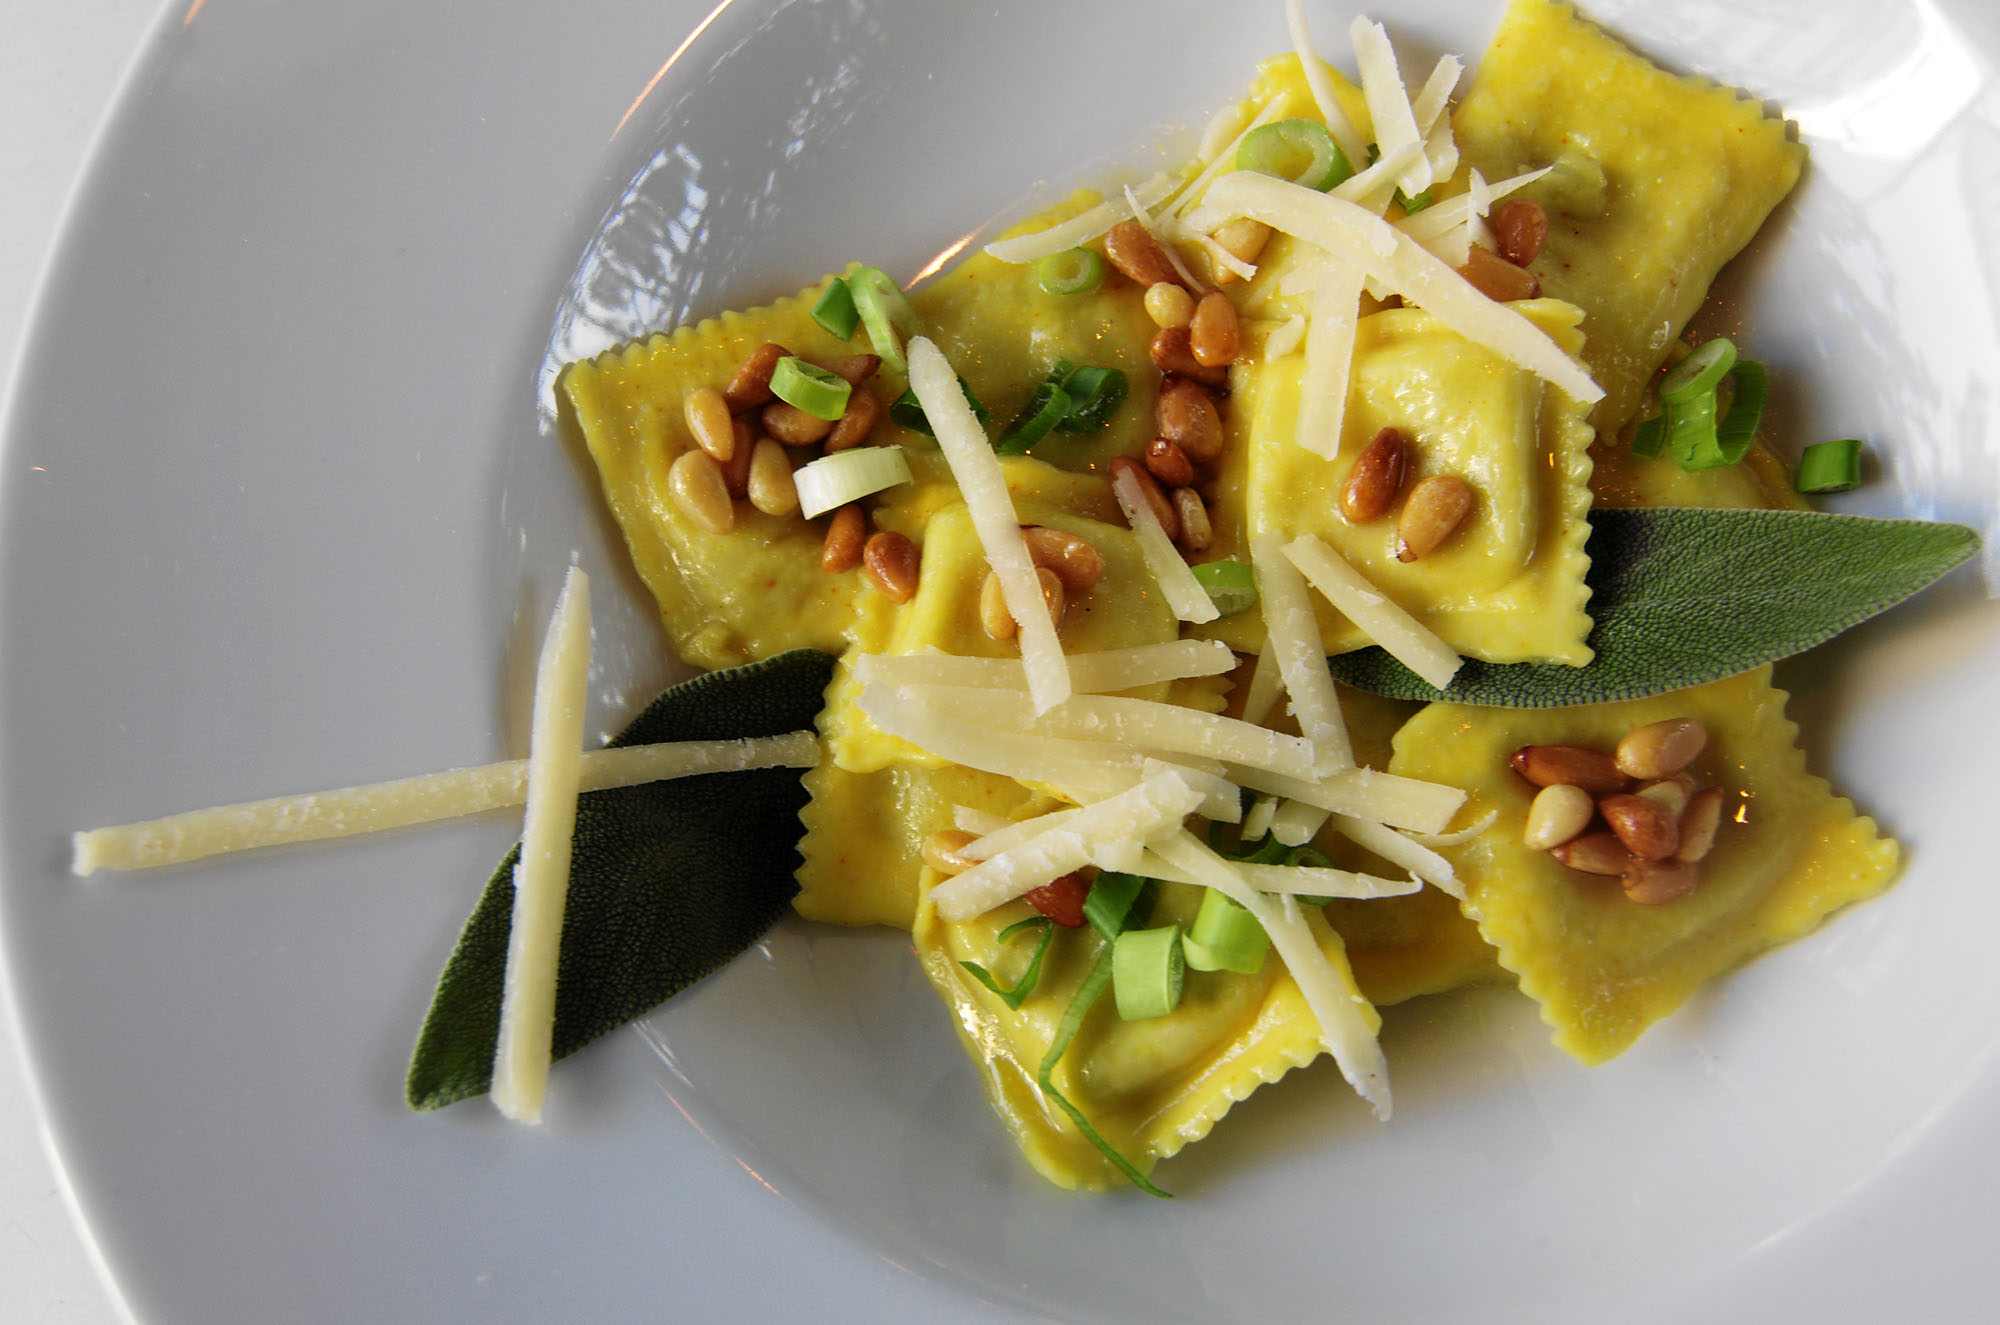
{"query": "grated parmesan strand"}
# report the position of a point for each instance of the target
(1079, 229)
(1296, 880)
(1407, 640)
(1329, 361)
(1089, 673)
(1352, 146)
(1292, 632)
(1389, 101)
(1364, 793)
(1183, 592)
(1297, 823)
(1400, 851)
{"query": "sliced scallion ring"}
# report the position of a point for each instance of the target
(1830, 466)
(1147, 969)
(807, 386)
(833, 481)
(1231, 585)
(1301, 150)
(1072, 271)
(835, 311)
(1225, 937)
(1110, 901)
(886, 312)
(1702, 370)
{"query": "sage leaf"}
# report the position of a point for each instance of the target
(1681, 597)
(668, 881)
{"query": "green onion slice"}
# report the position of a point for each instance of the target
(1072, 271)
(1830, 466)
(835, 311)
(1313, 857)
(1015, 996)
(1049, 406)
(1650, 437)
(1413, 205)
(816, 390)
(1095, 395)
(1225, 937)
(1738, 427)
(1112, 898)
(907, 411)
(1147, 969)
(1301, 151)
(1702, 370)
(1231, 585)
(833, 481)
(886, 312)
(1070, 398)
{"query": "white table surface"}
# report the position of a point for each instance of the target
(60, 65)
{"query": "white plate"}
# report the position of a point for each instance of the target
(284, 501)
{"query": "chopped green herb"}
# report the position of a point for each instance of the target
(1830, 466)
(1070, 398)
(1702, 370)
(1113, 897)
(1030, 974)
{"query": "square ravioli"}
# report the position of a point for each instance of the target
(1603, 967)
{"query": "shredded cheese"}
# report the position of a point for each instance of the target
(1183, 592)
(541, 876)
(1352, 146)
(1292, 633)
(1388, 101)
(1297, 823)
(1336, 312)
(1089, 673)
(1408, 640)
(1295, 880)
(1258, 821)
(1400, 851)
(1080, 768)
(1079, 229)
(1223, 160)
(1260, 696)
(991, 506)
(1363, 792)
(1285, 338)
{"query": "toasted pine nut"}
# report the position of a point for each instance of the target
(1376, 478)
(1437, 506)
(1212, 333)
(1196, 531)
(696, 483)
(1593, 853)
(942, 848)
(1576, 765)
(1519, 228)
(892, 562)
(1557, 814)
(846, 534)
(787, 423)
(863, 409)
(993, 613)
(1497, 278)
(1053, 596)
(1646, 827)
(1074, 558)
(1163, 510)
(1168, 304)
(1671, 792)
(854, 369)
(707, 415)
(1242, 239)
(1131, 248)
(1187, 417)
(1661, 749)
(1166, 462)
(742, 446)
(770, 487)
(1652, 882)
(1173, 352)
(1698, 825)
(751, 386)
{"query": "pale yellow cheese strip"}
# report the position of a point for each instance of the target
(541, 878)
(1408, 640)
(406, 802)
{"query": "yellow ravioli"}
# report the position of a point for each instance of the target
(1789, 853)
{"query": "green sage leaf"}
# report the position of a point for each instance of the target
(668, 881)
(1681, 597)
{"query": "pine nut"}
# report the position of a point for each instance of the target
(1212, 332)
(1196, 531)
(696, 483)
(1646, 827)
(863, 409)
(1661, 749)
(891, 561)
(1074, 559)
(787, 423)
(770, 486)
(1593, 853)
(1242, 239)
(1558, 814)
(1163, 510)
(854, 369)
(1053, 596)
(1131, 248)
(1576, 765)
(1186, 416)
(845, 536)
(1497, 278)
(993, 613)
(1520, 227)
(1376, 478)
(1169, 464)
(1672, 792)
(736, 470)
(707, 415)
(1436, 508)
(751, 386)
(942, 848)
(1169, 305)
(1172, 351)
(1653, 882)
(1698, 825)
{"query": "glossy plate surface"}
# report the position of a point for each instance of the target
(286, 502)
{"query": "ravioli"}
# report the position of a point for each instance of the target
(1603, 968)
(1150, 1087)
